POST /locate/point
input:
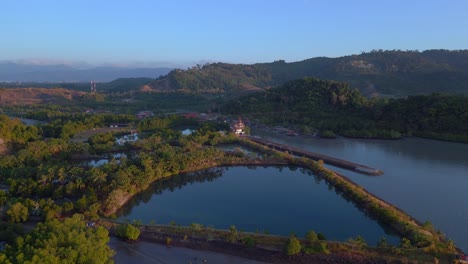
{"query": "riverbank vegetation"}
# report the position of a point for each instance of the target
(46, 184)
(310, 105)
(297, 248)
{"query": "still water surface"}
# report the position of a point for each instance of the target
(277, 200)
(426, 178)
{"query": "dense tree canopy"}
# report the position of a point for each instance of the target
(392, 73)
(54, 241)
(312, 104)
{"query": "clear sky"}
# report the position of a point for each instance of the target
(240, 31)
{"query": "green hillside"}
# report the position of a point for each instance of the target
(376, 73)
(328, 106)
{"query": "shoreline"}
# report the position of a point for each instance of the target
(183, 237)
(437, 137)
(382, 211)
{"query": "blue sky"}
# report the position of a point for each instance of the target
(185, 32)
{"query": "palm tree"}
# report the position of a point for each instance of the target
(98, 177)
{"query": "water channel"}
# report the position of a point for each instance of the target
(426, 178)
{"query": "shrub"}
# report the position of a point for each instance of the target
(196, 226)
(168, 241)
(321, 236)
(382, 243)
(233, 235)
(128, 232)
(311, 236)
(293, 246)
(249, 241)
(18, 213)
(405, 243)
(358, 242)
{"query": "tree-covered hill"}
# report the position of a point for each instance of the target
(215, 78)
(312, 104)
(389, 73)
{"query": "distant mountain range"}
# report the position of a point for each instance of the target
(393, 73)
(377, 73)
(21, 72)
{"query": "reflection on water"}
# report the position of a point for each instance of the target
(426, 178)
(280, 200)
(240, 150)
(187, 132)
(116, 157)
(132, 137)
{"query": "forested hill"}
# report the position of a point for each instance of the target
(328, 106)
(389, 73)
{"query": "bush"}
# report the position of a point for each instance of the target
(168, 241)
(128, 232)
(358, 242)
(196, 226)
(382, 243)
(316, 247)
(249, 241)
(311, 236)
(405, 243)
(293, 246)
(321, 236)
(233, 235)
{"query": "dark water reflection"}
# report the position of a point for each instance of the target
(279, 200)
(426, 178)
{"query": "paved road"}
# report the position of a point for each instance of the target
(146, 253)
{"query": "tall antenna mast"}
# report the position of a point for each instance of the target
(93, 86)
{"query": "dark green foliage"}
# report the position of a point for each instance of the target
(314, 245)
(382, 243)
(102, 142)
(405, 243)
(214, 78)
(327, 134)
(12, 130)
(9, 231)
(358, 242)
(249, 241)
(54, 241)
(321, 236)
(394, 72)
(123, 85)
(127, 232)
(331, 106)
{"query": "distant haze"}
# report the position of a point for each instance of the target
(44, 72)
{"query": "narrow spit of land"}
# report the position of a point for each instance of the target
(317, 156)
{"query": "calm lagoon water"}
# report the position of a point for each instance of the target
(426, 178)
(279, 200)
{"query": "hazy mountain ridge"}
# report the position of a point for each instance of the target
(395, 73)
(34, 96)
(20, 72)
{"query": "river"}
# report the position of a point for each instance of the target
(426, 178)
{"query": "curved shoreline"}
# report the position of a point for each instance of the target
(379, 209)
